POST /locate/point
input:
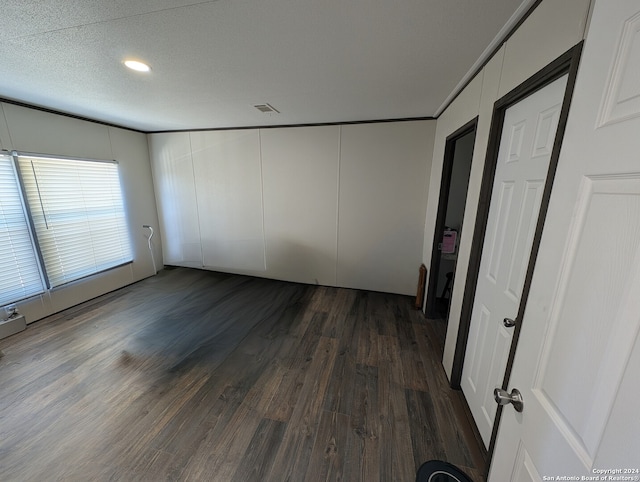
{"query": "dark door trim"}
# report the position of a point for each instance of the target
(567, 63)
(445, 184)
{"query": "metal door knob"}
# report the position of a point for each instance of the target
(509, 323)
(503, 397)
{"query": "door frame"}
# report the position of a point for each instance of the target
(443, 201)
(567, 63)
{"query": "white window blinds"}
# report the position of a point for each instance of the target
(20, 275)
(78, 215)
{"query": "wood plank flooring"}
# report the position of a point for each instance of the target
(196, 375)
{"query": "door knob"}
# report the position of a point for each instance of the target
(509, 323)
(503, 397)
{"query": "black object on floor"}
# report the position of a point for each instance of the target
(439, 471)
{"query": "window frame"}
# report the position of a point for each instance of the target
(50, 271)
(37, 260)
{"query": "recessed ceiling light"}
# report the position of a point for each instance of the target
(136, 65)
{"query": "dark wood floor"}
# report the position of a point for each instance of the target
(195, 375)
(439, 328)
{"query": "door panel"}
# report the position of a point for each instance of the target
(594, 286)
(523, 161)
(532, 199)
(497, 244)
(524, 468)
(577, 363)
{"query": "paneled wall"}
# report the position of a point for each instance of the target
(175, 187)
(331, 205)
(228, 182)
(300, 182)
(382, 196)
(31, 130)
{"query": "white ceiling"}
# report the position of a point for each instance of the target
(315, 61)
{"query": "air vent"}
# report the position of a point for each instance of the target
(266, 108)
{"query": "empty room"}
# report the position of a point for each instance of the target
(306, 241)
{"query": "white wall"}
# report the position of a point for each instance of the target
(331, 205)
(553, 28)
(300, 181)
(175, 190)
(383, 187)
(228, 182)
(31, 130)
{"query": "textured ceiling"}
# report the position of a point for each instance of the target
(314, 61)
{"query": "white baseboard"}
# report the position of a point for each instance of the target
(12, 326)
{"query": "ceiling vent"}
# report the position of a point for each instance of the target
(266, 108)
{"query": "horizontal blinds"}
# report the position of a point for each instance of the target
(20, 275)
(78, 215)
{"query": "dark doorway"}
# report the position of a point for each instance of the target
(456, 169)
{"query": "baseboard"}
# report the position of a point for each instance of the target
(12, 326)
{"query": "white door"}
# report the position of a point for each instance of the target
(521, 170)
(578, 358)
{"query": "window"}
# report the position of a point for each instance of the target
(20, 275)
(78, 214)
